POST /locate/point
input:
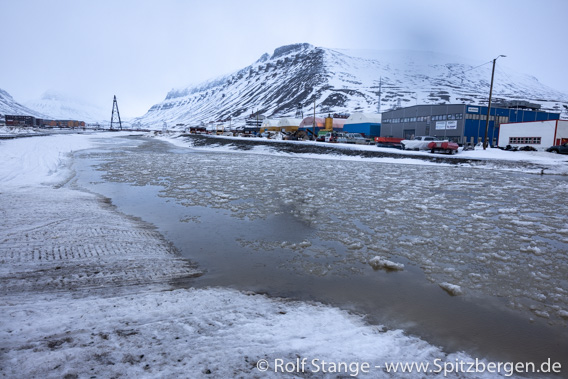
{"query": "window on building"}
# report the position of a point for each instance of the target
(408, 133)
(524, 140)
(450, 117)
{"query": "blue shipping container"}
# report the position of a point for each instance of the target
(367, 129)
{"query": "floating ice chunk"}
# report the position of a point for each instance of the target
(508, 210)
(534, 249)
(564, 314)
(305, 244)
(452, 289)
(355, 246)
(542, 314)
(475, 277)
(378, 262)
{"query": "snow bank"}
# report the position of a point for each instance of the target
(41, 160)
(9, 131)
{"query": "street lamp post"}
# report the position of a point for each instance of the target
(489, 104)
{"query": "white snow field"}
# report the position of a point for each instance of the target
(88, 292)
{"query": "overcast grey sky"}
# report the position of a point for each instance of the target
(140, 49)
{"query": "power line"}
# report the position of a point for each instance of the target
(463, 72)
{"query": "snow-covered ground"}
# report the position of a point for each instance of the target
(15, 131)
(88, 292)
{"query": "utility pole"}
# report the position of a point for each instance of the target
(115, 106)
(489, 103)
(380, 85)
(314, 123)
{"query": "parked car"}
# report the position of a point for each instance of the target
(332, 136)
(447, 147)
(418, 143)
(558, 149)
(354, 138)
(357, 138)
(343, 137)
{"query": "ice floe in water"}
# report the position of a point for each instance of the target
(378, 262)
(452, 289)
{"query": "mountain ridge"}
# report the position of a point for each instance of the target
(342, 80)
(52, 106)
(9, 106)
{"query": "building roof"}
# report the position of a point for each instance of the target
(361, 118)
(339, 122)
(269, 122)
(288, 121)
(309, 121)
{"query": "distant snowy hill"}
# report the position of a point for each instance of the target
(63, 107)
(345, 81)
(9, 106)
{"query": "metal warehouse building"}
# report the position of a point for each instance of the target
(460, 123)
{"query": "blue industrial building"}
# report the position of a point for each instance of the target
(460, 123)
(365, 123)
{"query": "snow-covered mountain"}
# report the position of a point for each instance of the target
(9, 106)
(346, 81)
(62, 107)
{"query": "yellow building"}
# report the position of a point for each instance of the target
(269, 125)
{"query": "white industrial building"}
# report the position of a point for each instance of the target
(538, 134)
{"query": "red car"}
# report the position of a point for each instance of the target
(447, 147)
